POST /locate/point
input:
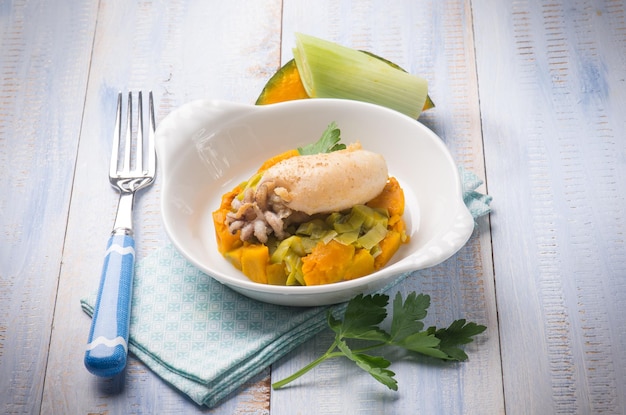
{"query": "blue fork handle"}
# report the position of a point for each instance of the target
(107, 347)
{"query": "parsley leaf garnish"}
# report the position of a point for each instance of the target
(407, 316)
(361, 320)
(458, 333)
(328, 142)
(374, 365)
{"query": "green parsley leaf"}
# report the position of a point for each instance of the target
(407, 315)
(361, 320)
(458, 333)
(424, 343)
(374, 365)
(328, 142)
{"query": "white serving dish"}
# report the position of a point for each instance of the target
(207, 147)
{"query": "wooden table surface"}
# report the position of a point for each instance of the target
(530, 94)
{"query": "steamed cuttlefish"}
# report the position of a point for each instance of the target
(296, 188)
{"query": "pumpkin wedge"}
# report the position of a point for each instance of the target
(284, 85)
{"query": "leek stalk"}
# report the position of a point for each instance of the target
(329, 70)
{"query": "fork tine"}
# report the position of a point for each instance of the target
(139, 141)
(128, 139)
(151, 150)
(116, 138)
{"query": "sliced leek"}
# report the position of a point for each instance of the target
(373, 237)
(329, 70)
(361, 226)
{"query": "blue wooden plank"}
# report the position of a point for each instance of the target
(44, 61)
(552, 92)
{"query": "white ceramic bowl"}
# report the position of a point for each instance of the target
(205, 148)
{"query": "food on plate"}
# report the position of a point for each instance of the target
(323, 69)
(313, 215)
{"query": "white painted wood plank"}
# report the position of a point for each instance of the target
(552, 99)
(44, 61)
(182, 50)
(433, 39)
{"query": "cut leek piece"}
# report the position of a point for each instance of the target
(373, 236)
(285, 85)
(348, 238)
(329, 70)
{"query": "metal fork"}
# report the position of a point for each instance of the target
(107, 346)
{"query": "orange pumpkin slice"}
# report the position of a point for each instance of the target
(284, 85)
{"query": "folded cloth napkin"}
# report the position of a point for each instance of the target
(207, 340)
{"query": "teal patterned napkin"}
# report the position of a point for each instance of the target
(207, 340)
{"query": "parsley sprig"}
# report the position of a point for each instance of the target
(328, 142)
(361, 321)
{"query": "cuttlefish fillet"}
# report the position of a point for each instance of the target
(296, 188)
(328, 182)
